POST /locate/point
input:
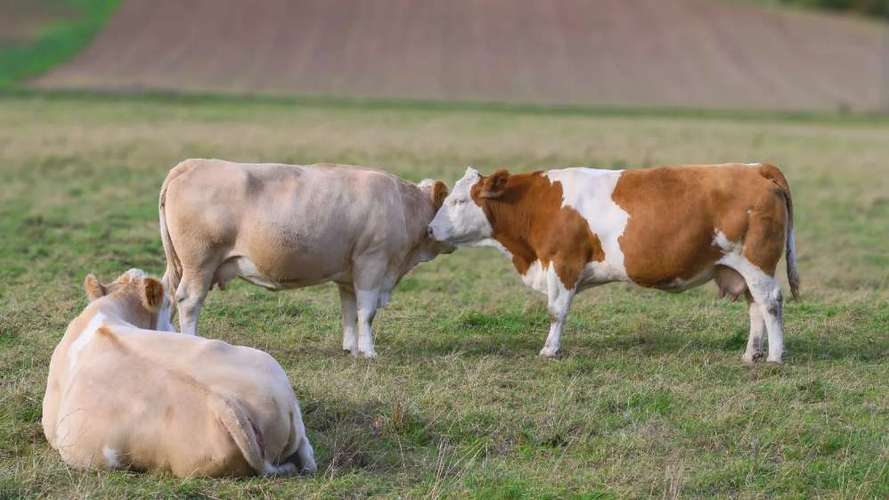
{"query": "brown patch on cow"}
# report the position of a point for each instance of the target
(676, 211)
(526, 214)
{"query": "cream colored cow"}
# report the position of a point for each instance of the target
(125, 393)
(290, 226)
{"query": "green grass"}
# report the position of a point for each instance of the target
(650, 399)
(59, 40)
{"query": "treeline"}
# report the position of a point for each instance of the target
(868, 7)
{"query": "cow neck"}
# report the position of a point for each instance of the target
(127, 308)
(521, 215)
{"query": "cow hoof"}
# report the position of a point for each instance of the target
(549, 353)
(285, 469)
(775, 362)
(752, 359)
(367, 354)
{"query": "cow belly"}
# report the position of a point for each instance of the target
(296, 274)
(279, 269)
(599, 273)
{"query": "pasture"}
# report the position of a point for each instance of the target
(650, 397)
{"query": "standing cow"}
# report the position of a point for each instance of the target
(671, 228)
(289, 226)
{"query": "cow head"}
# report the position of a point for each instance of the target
(149, 304)
(437, 191)
(461, 219)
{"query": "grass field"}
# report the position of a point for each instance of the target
(650, 399)
(36, 35)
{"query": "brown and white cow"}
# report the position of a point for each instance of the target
(290, 226)
(125, 393)
(671, 228)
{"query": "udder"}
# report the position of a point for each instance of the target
(730, 283)
(245, 268)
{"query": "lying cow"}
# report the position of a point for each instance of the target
(671, 228)
(289, 226)
(123, 393)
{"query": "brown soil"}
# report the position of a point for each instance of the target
(696, 53)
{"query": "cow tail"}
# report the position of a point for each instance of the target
(240, 427)
(773, 174)
(173, 273)
(304, 451)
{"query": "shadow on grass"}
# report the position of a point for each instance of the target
(517, 335)
(370, 436)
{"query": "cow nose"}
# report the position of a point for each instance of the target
(430, 233)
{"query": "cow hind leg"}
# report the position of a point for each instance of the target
(765, 292)
(732, 285)
(754, 350)
(190, 297)
(349, 306)
(771, 304)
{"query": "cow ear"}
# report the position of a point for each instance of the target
(94, 290)
(152, 294)
(439, 193)
(494, 185)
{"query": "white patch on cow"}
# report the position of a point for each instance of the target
(460, 221)
(112, 458)
(85, 337)
(752, 164)
(589, 191)
(721, 241)
(536, 276)
(558, 303)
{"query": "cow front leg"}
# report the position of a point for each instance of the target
(368, 300)
(349, 306)
(558, 303)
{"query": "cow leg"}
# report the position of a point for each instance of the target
(771, 304)
(368, 300)
(558, 303)
(349, 307)
(757, 328)
(766, 293)
(190, 297)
